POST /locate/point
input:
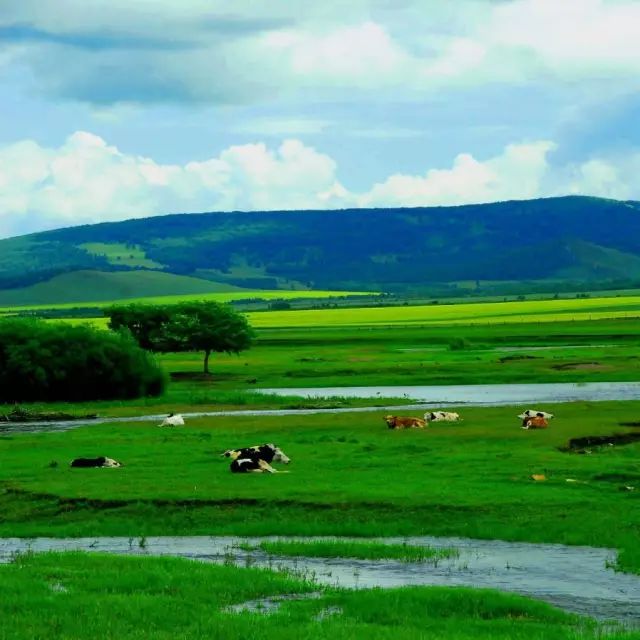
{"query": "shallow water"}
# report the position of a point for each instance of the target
(480, 394)
(7, 428)
(576, 579)
(426, 397)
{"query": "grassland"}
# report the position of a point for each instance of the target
(121, 254)
(76, 596)
(349, 475)
(206, 290)
(495, 313)
(588, 351)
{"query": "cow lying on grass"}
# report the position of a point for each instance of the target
(172, 421)
(396, 422)
(256, 459)
(95, 462)
(536, 422)
(525, 416)
(442, 416)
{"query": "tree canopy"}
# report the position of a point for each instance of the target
(187, 326)
(41, 361)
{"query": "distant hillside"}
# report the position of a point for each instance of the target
(553, 240)
(97, 286)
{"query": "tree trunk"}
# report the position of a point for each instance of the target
(207, 353)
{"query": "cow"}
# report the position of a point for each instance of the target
(396, 422)
(537, 422)
(534, 413)
(102, 461)
(267, 452)
(172, 421)
(252, 465)
(255, 459)
(441, 416)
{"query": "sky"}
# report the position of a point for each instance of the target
(115, 109)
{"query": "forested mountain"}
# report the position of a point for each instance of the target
(554, 239)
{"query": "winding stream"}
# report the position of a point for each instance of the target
(577, 579)
(426, 397)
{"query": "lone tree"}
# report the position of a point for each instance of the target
(187, 326)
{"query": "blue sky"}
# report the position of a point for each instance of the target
(115, 109)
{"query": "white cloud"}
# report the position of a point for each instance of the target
(516, 173)
(86, 180)
(363, 54)
(573, 38)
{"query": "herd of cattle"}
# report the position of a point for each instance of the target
(531, 419)
(258, 459)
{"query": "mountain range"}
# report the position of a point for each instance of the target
(552, 242)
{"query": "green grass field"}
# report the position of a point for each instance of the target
(460, 314)
(121, 254)
(589, 351)
(207, 290)
(76, 596)
(349, 475)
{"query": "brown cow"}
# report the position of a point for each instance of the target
(535, 423)
(395, 422)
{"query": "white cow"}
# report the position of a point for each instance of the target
(442, 416)
(172, 421)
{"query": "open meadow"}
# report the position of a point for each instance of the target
(349, 474)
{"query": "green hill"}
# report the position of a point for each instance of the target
(557, 243)
(97, 286)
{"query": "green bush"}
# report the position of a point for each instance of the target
(459, 344)
(41, 361)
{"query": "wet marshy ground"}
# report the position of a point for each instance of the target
(577, 579)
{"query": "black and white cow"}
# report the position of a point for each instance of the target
(255, 459)
(442, 416)
(102, 461)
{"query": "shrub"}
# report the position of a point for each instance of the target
(54, 361)
(459, 344)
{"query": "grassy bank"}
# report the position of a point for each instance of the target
(77, 596)
(349, 475)
(352, 549)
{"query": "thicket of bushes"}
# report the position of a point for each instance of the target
(42, 361)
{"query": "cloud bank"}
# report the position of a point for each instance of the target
(216, 52)
(86, 180)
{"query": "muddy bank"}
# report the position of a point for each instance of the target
(600, 441)
(577, 579)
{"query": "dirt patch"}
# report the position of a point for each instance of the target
(518, 357)
(576, 444)
(20, 414)
(618, 477)
(581, 366)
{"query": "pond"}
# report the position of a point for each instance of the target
(577, 579)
